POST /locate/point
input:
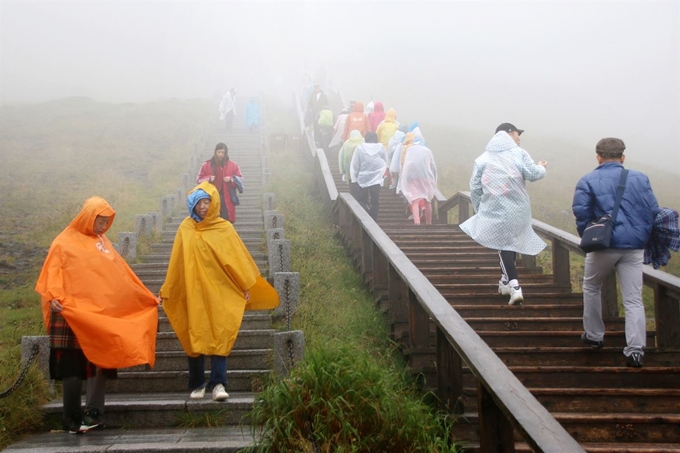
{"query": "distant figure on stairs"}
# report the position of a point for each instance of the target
(253, 115)
(502, 219)
(418, 179)
(98, 314)
(368, 168)
(228, 108)
(211, 281)
(594, 197)
(224, 174)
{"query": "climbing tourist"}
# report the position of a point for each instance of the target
(387, 127)
(393, 145)
(594, 197)
(345, 159)
(98, 314)
(502, 219)
(367, 169)
(338, 129)
(224, 174)
(325, 125)
(316, 102)
(228, 108)
(418, 179)
(376, 116)
(211, 280)
(356, 121)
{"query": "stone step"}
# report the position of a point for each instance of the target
(239, 359)
(220, 439)
(176, 381)
(158, 410)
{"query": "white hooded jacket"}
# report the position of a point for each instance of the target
(369, 163)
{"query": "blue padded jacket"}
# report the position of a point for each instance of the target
(595, 196)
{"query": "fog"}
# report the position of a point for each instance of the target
(576, 70)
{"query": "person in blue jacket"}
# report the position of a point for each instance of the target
(594, 197)
(252, 115)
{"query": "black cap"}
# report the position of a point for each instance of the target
(507, 127)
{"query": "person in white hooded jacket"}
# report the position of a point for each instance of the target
(367, 169)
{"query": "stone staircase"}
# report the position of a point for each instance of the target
(158, 399)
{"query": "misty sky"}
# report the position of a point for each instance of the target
(581, 70)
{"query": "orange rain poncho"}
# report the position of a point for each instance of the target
(209, 271)
(111, 312)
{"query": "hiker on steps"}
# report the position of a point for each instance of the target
(98, 314)
(211, 280)
(502, 219)
(224, 174)
(594, 197)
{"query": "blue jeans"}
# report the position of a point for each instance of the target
(218, 372)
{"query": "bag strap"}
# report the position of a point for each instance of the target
(619, 194)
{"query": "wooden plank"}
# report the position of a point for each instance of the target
(495, 431)
(449, 376)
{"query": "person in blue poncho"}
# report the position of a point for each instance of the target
(253, 115)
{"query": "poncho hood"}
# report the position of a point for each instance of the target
(111, 312)
(390, 116)
(372, 149)
(500, 142)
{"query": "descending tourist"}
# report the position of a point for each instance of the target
(252, 116)
(594, 198)
(99, 315)
(228, 108)
(502, 219)
(224, 174)
(338, 129)
(211, 280)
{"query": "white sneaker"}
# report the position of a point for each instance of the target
(198, 394)
(503, 288)
(516, 297)
(219, 394)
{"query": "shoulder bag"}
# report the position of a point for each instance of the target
(598, 233)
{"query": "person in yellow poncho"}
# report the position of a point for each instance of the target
(99, 315)
(211, 281)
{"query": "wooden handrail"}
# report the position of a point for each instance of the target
(538, 427)
(666, 286)
(504, 403)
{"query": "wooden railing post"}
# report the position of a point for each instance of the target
(379, 271)
(418, 322)
(356, 241)
(463, 210)
(495, 431)
(398, 296)
(561, 265)
(609, 296)
(667, 313)
(449, 375)
(367, 258)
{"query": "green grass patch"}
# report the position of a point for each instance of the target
(352, 392)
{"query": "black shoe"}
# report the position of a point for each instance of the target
(73, 425)
(91, 419)
(634, 360)
(592, 343)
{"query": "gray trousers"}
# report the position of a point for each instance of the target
(628, 265)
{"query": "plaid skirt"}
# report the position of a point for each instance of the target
(66, 358)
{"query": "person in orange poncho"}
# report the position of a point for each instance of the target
(99, 315)
(211, 281)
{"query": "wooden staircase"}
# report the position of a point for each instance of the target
(604, 405)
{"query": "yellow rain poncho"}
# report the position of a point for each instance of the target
(209, 271)
(387, 128)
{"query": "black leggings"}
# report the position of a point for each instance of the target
(508, 260)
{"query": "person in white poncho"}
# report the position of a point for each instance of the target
(367, 169)
(501, 202)
(418, 179)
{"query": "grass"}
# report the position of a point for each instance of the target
(352, 393)
(56, 155)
